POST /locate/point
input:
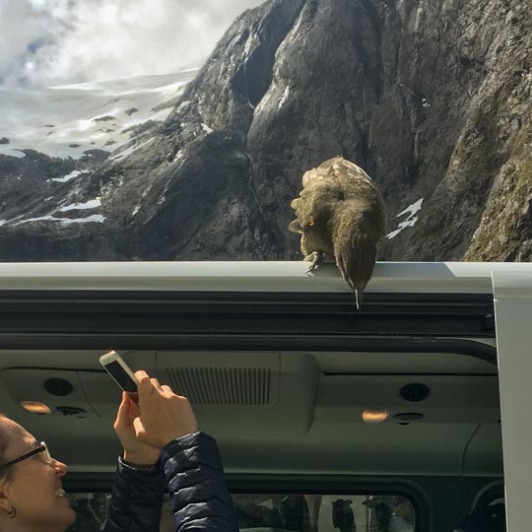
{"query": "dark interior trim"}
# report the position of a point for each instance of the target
(265, 314)
(398, 345)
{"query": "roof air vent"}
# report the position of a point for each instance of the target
(58, 387)
(414, 392)
(222, 386)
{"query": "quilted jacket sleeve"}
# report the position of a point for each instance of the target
(195, 478)
(136, 500)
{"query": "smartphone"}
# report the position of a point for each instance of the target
(121, 373)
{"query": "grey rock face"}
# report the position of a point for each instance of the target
(430, 97)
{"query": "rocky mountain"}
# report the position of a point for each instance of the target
(430, 97)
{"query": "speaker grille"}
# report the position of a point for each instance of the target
(222, 386)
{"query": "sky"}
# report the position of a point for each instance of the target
(51, 42)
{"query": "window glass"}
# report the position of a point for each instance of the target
(325, 513)
(275, 512)
(91, 511)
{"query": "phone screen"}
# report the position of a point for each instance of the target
(119, 375)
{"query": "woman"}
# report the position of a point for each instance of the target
(162, 448)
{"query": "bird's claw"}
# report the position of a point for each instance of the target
(314, 266)
(316, 259)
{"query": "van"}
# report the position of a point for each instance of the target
(409, 413)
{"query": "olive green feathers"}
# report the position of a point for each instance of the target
(340, 212)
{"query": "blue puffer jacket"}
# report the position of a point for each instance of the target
(191, 469)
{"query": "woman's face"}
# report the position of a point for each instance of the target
(33, 487)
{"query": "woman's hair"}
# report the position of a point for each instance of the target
(4, 442)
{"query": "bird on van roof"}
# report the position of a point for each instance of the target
(340, 212)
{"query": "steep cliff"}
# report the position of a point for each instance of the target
(430, 97)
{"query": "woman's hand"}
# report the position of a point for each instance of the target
(135, 451)
(164, 416)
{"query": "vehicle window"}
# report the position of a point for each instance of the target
(281, 511)
(325, 513)
(91, 510)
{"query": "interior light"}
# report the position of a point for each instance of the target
(377, 415)
(33, 407)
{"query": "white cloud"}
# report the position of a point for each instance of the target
(57, 41)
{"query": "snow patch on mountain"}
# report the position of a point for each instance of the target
(67, 177)
(410, 221)
(91, 204)
(95, 218)
(65, 121)
(119, 155)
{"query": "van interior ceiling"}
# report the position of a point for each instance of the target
(305, 394)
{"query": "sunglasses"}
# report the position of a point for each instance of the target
(41, 448)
